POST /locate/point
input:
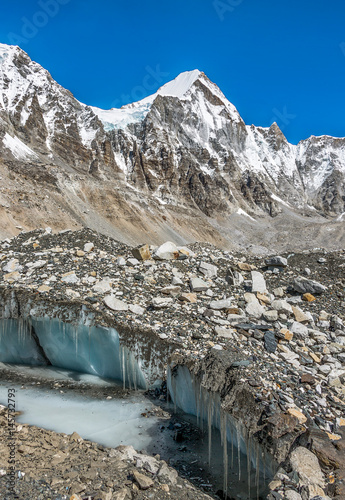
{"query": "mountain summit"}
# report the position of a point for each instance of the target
(184, 146)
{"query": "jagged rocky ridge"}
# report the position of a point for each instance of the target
(185, 146)
(266, 337)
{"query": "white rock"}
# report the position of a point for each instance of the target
(270, 315)
(300, 331)
(70, 278)
(103, 286)
(224, 333)
(72, 293)
(276, 261)
(161, 303)
(219, 305)
(198, 285)
(136, 309)
(186, 251)
(250, 297)
(167, 251)
(208, 270)
(255, 310)
(259, 283)
(115, 304)
(150, 464)
(121, 261)
(12, 266)
(36, 265)
(88, 247)
(281, 306)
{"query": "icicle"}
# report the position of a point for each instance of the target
(224, 443)
(128, 371)
(232, 437)
(198, 405)
(238, 437)
(89, 337)
(123, 369)
(248, 449)
(76, 340)
(257, 472)
(134, 371)
(209, 421)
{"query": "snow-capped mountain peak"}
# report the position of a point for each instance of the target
(189, 145)
(175, 88)
(183, 87)
(137, 111)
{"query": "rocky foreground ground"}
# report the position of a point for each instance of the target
(279, 319)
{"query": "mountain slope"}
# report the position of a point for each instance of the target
(184, 150)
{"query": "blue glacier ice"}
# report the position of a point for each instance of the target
(17, 344)
(241, 452)
(87, 349)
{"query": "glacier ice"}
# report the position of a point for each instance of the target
(84, 348)
(109, 422)
(17, 344)
(252, 464)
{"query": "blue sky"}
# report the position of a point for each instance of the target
(275, 60)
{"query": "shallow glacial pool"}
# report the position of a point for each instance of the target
(128, 418)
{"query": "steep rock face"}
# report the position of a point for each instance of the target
(321, 162)
(185, 147)
(36, 111)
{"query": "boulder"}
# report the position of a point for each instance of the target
(224, 333)
(219, 305)
(281, 306)
(300, 316)
(167, 475)
(306, 464)
(161, 303)
(136, 309)
(255, 310)
(12, 266)
(276, 261)
(300, 331)
(143, 481)
(198, 285)
(270, 342)
(258, 282)
(142, 252)
(208, 270)
(305, 285)
(188, 297)
(115, 304)
(88, 247)
(167, 251)
(270, 316)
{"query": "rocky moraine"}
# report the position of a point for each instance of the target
(266, 334)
